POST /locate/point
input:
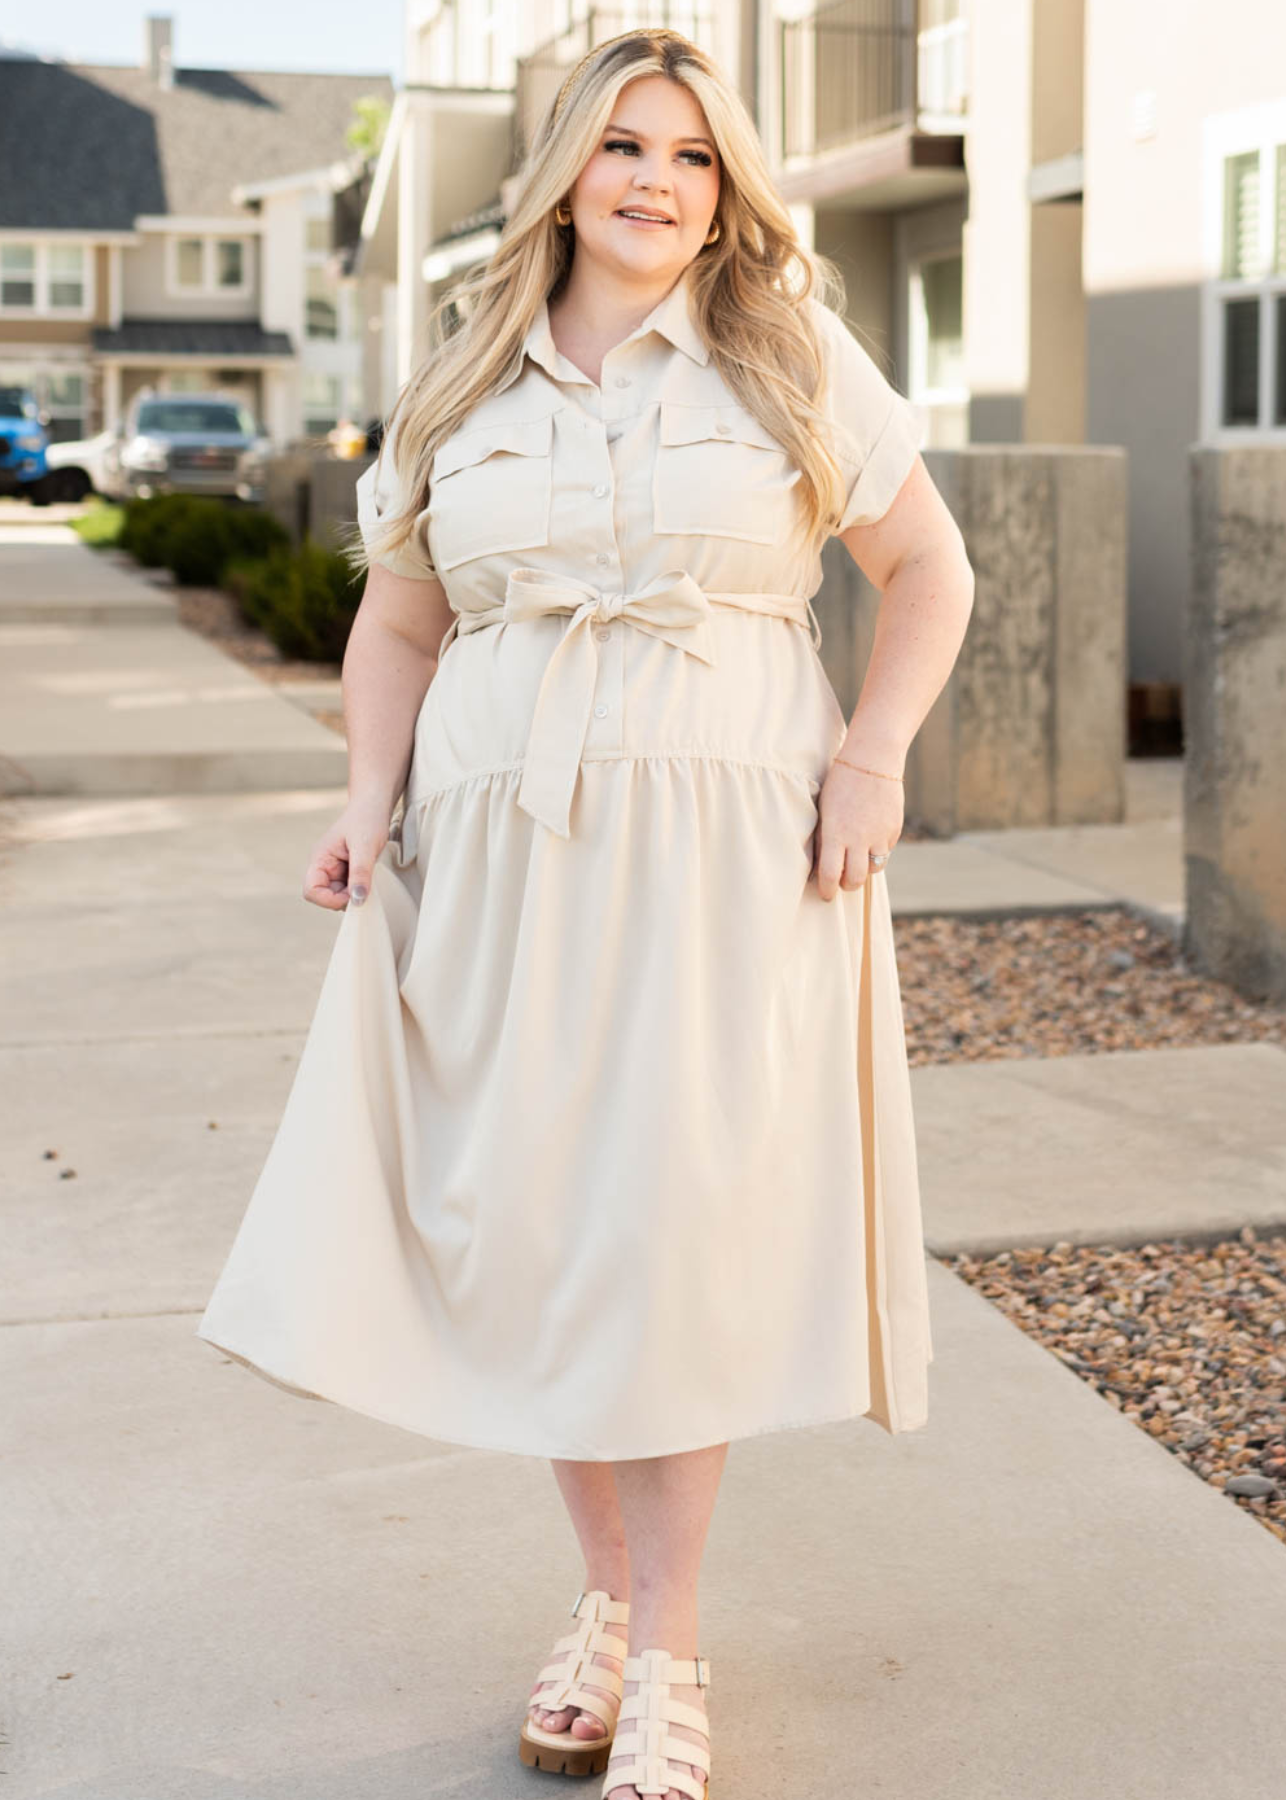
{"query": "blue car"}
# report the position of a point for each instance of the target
(23, 443)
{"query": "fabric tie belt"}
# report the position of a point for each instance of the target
(671, 607)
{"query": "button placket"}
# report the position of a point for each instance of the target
(605, 725)
(607, 715)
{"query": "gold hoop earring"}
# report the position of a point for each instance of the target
(716, 229)
(562, 214)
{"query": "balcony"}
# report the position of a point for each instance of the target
(856, 69)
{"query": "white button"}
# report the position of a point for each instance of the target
(600, 712)
(603, 635)
(600, 490)
(724, 430)
(622, 381)
(603, 558)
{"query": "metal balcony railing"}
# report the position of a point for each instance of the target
(857, 67)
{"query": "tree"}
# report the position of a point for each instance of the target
(366, 132)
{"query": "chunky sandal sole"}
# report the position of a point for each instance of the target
(558, 1751)
(588, 1758)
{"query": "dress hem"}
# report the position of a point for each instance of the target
(384, 1418)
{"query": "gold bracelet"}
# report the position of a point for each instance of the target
(879, 772)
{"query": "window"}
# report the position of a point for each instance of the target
(942, 296)
(321, 303)
(190, 263)
(208, 265)
(936, 381)
(323, 398)
(46, 279)
(230, 262)
(1244, 387)
(64, 398)
(17, 275)
(195, 416)
(317, 235)
(66, 275)
(59, 390)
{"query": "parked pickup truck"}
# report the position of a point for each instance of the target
(24, 438)
(180, 443)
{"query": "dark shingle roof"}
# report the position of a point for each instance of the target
(89, 147)
(228, 339)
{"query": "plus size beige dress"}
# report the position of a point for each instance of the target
(601, 1142)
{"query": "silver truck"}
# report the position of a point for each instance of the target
(187, 444)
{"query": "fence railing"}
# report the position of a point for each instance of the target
(853, 68)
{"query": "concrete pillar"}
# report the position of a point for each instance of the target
(1031, 726)
(1235, 719)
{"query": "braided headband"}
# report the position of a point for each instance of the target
(652, 33)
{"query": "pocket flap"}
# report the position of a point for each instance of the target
(730, 424)
(524, 437)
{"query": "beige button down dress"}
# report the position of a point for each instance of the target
(601, 1142)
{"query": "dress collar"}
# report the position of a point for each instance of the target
(672, 317)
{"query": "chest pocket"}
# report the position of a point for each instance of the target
(719, 473)
(490, 490)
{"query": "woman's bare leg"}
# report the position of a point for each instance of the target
(589, 1492)
(666, 1505)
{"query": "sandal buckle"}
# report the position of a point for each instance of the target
(579, 1598)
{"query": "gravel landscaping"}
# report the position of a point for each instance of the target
(1061, 984)
(1187, 1340)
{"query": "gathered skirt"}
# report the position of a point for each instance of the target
(601, 1146)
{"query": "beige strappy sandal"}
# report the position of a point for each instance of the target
(653, 1749)
(559, 1751)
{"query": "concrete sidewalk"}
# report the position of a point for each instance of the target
(252, 1595)
(102, 691)
(1000, 873)
(215, 1589)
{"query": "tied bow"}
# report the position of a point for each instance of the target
(672, 607)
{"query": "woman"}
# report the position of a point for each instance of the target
(600, 1147)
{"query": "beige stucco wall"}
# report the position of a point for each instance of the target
(1058, 89)
(144, 290)
(862, 244)
(1055, 411)
(1147, 254)
(996, 232)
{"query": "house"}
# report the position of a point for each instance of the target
(1060, 221)
(177, 228)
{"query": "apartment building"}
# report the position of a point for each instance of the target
(181, 229)
(1060, 221)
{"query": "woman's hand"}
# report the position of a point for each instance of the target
(340, 862)
(856, 814)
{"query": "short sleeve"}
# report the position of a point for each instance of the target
(881, 434)
(379, 491)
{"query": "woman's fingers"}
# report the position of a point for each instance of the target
(326, 880)
(850, 825)
(857, 864)
(830, 860)
(362, 854)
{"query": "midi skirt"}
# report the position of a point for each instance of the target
(601, 1146)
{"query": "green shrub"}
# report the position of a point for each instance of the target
(305, 600)
(147, 523)
(197, 535)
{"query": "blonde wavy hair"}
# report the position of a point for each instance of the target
(752, 289)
